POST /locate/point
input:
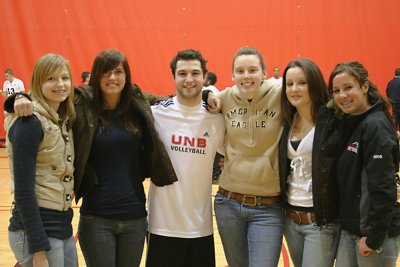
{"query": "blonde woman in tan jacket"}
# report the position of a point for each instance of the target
(41, 153)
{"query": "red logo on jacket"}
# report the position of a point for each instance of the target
(353, 147)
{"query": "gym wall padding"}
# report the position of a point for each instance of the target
(151, 32)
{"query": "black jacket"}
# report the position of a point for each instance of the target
(366, 171)
(155, 161)
(324, 152)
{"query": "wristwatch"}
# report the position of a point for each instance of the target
(18, 96)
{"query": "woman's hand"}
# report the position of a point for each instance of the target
(23, 107)
(40, 259)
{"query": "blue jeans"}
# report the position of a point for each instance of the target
(62, 252)
(251, 235)
(348, 255)
(310, 245)
(111, 243)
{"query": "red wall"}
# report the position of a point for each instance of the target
(151, 32)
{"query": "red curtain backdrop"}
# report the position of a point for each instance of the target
(151, 32)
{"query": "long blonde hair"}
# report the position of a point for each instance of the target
(46, 66)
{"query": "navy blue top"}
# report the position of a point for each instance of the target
(115, 157)
(295, 144)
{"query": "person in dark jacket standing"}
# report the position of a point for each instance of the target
(393, 94)
(307, 152)
(366, 170)
(117, 121)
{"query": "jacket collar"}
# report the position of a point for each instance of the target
(46, 111)
(353, 120)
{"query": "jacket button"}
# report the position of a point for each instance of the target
(67, 178)
(69, 158)
(54, 168)
(68, 197)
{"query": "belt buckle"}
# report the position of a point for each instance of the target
(253, 197)
(309, 217)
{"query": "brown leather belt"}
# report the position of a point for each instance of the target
(249, 200)
(300, 217)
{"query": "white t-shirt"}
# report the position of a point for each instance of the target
(13, 87)
(299, 191)
(191, 136)
(276, 81)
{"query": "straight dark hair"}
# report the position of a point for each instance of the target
(124, 116)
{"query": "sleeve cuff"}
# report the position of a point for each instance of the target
(204, 95)
(9, 102)
(374, 243)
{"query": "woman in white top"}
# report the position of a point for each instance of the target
(307, 153)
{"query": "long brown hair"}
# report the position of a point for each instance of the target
(317, 89)
(124, 116)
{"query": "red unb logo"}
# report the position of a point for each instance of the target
(188, 141)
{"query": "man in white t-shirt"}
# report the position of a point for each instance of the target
(276, 79)
(180, 215)
(12, 85)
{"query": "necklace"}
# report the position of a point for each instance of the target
(301, 127)
(305, 128)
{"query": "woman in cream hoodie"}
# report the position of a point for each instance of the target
(247, 206)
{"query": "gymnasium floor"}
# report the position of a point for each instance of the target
(7, 258)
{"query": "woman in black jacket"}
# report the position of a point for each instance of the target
(116, 148)
(366, 171)
(307, 153)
